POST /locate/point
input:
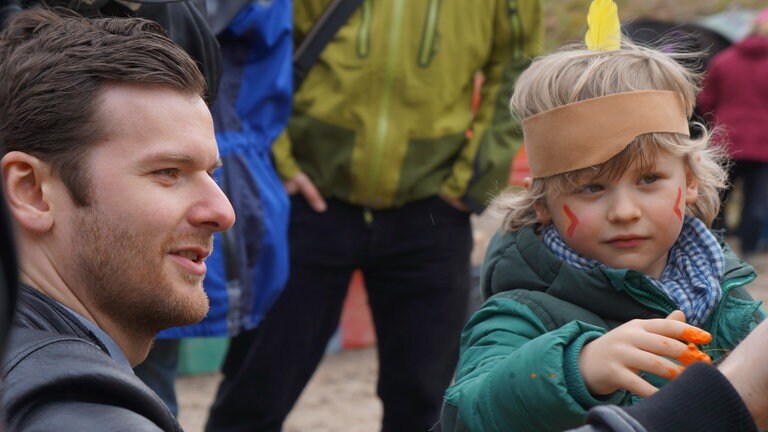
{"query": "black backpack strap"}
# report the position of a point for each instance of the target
(333, 17)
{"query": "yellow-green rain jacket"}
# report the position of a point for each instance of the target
(381, 118)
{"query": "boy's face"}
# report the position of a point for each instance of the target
(628, 222)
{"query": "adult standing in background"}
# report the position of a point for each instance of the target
(383, 178)
(735, 94)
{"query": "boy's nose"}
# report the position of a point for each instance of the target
(624, 208)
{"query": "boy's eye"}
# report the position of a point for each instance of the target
(591, 188)
(648, 178)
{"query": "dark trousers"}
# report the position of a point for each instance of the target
(415, 262)
(754, 210)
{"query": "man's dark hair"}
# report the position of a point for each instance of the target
(54, 65)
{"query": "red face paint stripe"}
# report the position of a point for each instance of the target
(677, 203)
(573, 218)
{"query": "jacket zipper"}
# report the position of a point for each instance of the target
(651, 298)
(364, 32)
(384, 106)
(426, 50)
(516, 28)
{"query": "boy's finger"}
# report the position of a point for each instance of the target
(637, 385)
(695, 335)
(658, 365)
(660, 345)
(677, 329)
(676, 316)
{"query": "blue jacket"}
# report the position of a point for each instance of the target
(249, 264)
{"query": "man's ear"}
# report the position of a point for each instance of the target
(27, 189)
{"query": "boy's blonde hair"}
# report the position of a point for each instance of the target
(577, 74)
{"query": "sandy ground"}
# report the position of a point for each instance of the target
(341, 396)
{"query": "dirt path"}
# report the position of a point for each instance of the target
(339, 398)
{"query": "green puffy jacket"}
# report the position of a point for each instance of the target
(381, 118)
(518, 368)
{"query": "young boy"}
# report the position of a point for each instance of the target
(601, 251)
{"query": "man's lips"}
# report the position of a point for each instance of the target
(192, 258)
(194, 253)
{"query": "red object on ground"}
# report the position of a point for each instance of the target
(520, 169)
(357, 329)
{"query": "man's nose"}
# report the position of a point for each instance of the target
(213, 211)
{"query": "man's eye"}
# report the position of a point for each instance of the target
(168, 172)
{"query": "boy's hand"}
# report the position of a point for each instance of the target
(612, 361)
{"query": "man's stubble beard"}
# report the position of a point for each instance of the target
(125, 277)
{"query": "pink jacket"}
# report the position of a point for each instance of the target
(735, 95)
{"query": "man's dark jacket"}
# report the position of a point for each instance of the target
(700, 399)
(58, 376)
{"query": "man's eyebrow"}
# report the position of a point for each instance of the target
(177, 158)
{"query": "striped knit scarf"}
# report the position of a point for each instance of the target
(691, 278)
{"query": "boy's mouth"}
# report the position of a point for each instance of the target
(626, 240)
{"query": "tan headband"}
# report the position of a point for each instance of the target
(592, 131)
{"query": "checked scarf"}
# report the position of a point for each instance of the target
(691, 278)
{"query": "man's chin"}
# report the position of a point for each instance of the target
(197, 309)
(188, 309)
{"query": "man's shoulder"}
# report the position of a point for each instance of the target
(67, 381)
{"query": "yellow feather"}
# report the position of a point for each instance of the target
(604, 29)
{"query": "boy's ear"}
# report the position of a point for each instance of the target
(26, 187)
(527, 182)
(542, 212)
(691, 187)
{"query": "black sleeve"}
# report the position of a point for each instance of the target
(700, 399)
(66, 384)
(68, 416)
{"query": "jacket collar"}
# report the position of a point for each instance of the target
(520, 260)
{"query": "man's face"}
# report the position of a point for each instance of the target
(140, 247)
(629, 222)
